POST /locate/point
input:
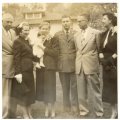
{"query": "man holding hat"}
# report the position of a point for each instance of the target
(8, 36)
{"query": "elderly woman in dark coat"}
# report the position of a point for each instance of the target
(23, 86)
(46, 76)
(108, 56)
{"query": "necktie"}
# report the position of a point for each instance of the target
(82, 36)
(67, 34)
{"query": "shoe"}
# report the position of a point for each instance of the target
(30, 116)
(83, 113)
(114, 116)
(46, 113)
(83, 110)
(99, 117)
(26, 117)
(18, 117)
(53, 114)
(29, 111)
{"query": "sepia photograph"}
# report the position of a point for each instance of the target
(59, 61)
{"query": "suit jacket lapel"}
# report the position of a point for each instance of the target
(64, 38)
(12, 36)
(88, 37)
(70, 36)
(63, 35)
(6, 38)
(78, 40)
(104, 36)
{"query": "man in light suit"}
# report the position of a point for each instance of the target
(66, 65)
(8, 36)
(87, 66)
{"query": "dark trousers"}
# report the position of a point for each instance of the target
(69, 87)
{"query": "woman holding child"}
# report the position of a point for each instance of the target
(46, 72)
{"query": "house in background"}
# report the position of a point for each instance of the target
(35, 17)
(55, 21)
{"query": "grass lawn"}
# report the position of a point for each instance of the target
(38, 108)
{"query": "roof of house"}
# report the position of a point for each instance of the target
(30, 21)
(47, 17)
(34, 11)
(54, 16)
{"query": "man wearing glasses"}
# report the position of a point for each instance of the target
(87, 66)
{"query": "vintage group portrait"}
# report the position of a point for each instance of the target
(59, 61)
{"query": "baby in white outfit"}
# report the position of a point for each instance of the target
(37, 42)
(37, 51)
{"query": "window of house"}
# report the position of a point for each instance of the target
(37, 15)
(29, 16)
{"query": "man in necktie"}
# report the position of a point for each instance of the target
(8, 36)
(66, 65)
(67, 33)
(82, 36)
(87, 66)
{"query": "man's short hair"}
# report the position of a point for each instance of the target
(86, 15)
(44, 23)
(66, 16)
(7, 17)
(111, 17)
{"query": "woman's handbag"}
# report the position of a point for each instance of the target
(20, 88)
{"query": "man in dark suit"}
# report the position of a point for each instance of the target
(66, 64)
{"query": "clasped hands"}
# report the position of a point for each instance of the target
(108, 61)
